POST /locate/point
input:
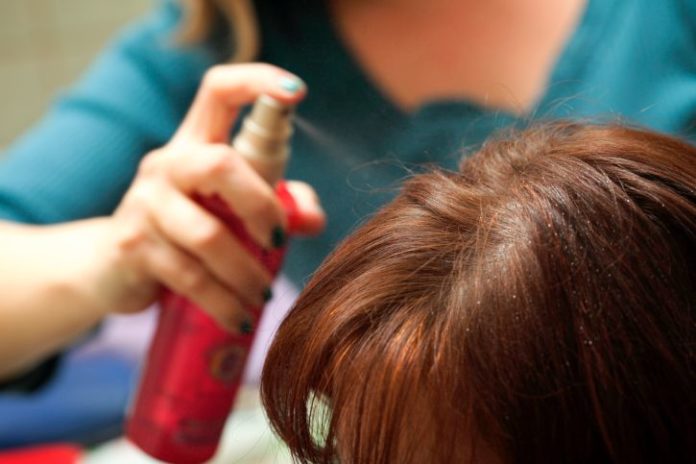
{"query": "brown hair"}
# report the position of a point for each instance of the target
(535, 307)
(201, 16)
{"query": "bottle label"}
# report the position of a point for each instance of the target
(199, 432)
(226, 363)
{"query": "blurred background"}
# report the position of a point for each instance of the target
(45, 45)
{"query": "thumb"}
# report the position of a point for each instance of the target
(305, 215)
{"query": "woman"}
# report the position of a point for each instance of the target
(536, 306)
(416, 80)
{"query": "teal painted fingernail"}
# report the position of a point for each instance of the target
(267, 295)
(291, 84)
(278, 237)
(246, 328)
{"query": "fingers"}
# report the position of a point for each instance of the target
(167, 237)
(225, 88)
(192, 244)
(187, 276)
(152, 249)
(217, 169)
(194, 229)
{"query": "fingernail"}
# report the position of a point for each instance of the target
(246, 327)
(277, 237)
(267, 294)
(291, 84)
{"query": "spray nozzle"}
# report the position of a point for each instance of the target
(264, 136)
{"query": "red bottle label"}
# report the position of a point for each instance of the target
(194, 368)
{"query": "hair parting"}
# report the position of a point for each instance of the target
(536, 306)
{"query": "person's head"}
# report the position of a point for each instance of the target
(537, 306)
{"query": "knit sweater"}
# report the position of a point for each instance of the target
(634, 60)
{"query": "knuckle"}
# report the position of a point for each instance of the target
(218, 79)
(265, 206)
(141, 195)
(132, 229)
(209, 235)
(213, 76)
(268, 68)
(193, 279)
(219, 161)
(150, 164)
(131, 237)
(249, 286)
(222, 151)
(257, 277)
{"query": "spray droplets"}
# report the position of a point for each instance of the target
(331, 146)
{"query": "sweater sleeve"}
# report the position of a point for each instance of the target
(79, 159)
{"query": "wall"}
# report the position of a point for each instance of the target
(45, 45)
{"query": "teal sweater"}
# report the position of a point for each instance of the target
(632, 60)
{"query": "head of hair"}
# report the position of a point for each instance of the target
(536, 306)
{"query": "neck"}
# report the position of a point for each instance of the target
(498, 53)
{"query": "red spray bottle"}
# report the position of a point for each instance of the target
(193, 369)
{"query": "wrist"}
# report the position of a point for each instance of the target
(114, 284)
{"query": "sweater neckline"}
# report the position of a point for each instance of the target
(574, 60)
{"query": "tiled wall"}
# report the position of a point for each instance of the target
(44, 45)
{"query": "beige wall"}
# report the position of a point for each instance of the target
(44, 45)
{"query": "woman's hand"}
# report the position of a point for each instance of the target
(59, 280)
(158, 235)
